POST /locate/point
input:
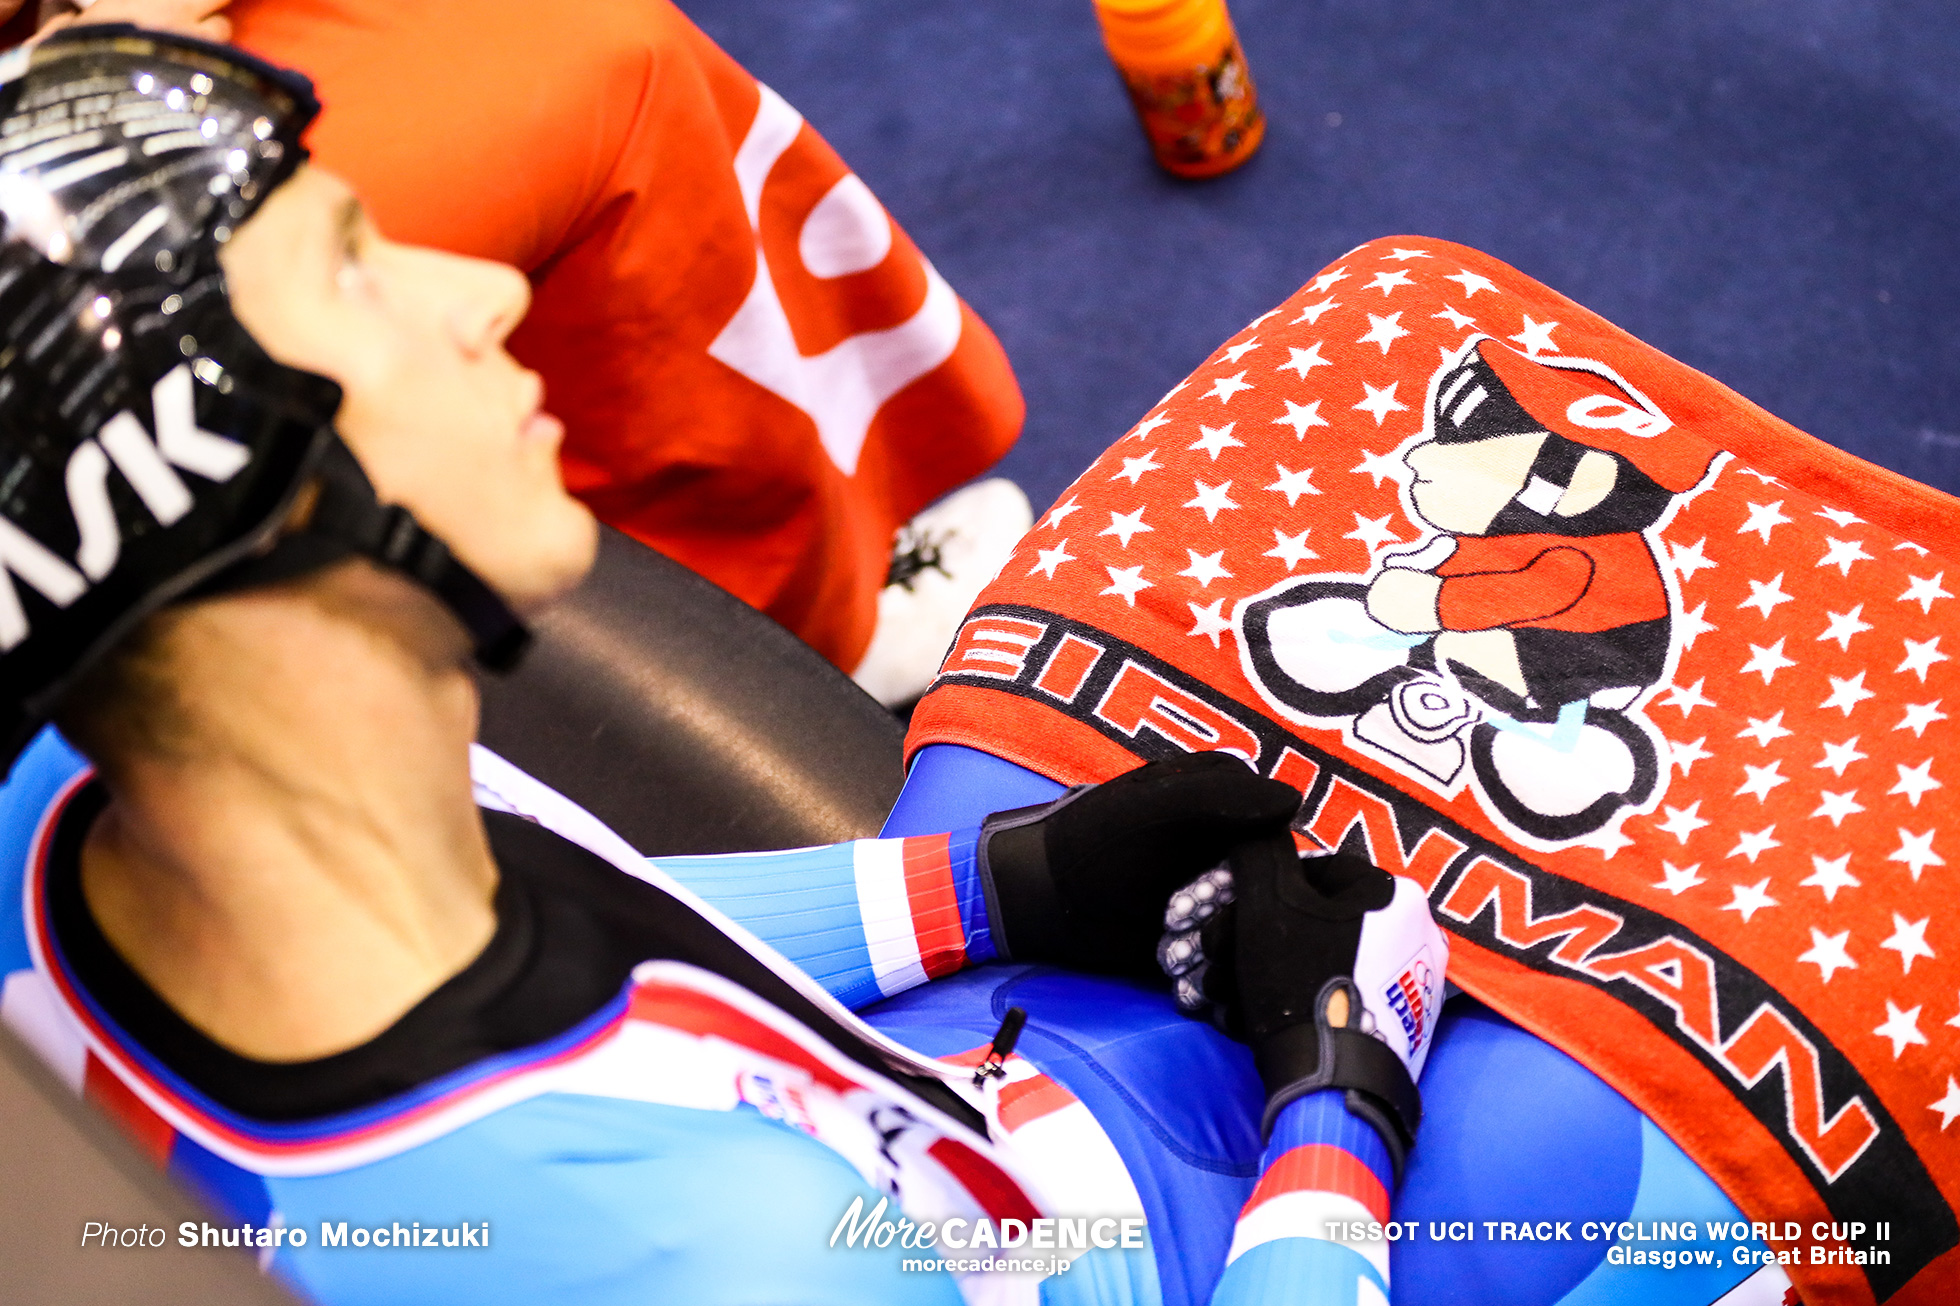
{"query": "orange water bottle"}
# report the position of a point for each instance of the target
(1188, 80)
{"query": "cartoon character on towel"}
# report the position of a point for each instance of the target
(1518, 642)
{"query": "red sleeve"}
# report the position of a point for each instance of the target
(1548, 584)
(600, 156)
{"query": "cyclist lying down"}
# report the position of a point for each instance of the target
(275, 487)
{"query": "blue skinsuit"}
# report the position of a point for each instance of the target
(1513, 1129)
(601, 1200)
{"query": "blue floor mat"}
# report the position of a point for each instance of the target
(1763, 190)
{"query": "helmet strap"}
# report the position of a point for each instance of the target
(349, 520)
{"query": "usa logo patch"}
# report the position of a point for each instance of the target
(1412, 996)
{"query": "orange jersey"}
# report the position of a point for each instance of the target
(759, 374)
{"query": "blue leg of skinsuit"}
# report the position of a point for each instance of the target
(1514, 1130)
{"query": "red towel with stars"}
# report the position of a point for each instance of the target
(1648, 688)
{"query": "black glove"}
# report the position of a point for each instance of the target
(1082, 881)
(1270, 951)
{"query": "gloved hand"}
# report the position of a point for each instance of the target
(1082, 881)
(1329, 967)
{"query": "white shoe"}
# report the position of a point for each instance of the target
(941, 561)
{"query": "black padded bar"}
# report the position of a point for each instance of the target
(687, 720)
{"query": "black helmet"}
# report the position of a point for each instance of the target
(149, 449)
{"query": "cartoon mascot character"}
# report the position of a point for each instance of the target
(1522, 636)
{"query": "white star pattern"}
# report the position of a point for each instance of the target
(1682, 821)
(1325, 280)
(1125, 524)
(1404, 255)
(1830, 876)
(1290, 549)
(1688, 698)
(1916, 851)
(1839, 756)
(1920, 657)
(1387, 282)
(1148, 425)
(1211, 499)
(1693, 625)
(1050, 559)
(1764, 477)
(1686, 755)
(1828, 953)
(1383, 331)
(1918, 549)
(1915, 781)
(1216, 440)
(1311, 313)
(1373, 532)
(1837, 806)
(1226, 386)
(1536, 337)
(1705, 676)
(1840, 518)
(1764, 518)
(1842, 554)
(1845, 625)
(1060, 512)
(1380, 403)
(1380, 466)
(1750, 899)
(1908, 940)
(1303, 361)
(1126, 583)
(1766, 661)
(1948, 1106)
(1301, 417)
(1206, 568)
(1902, 1027)
(1688, 559)
(1766, 595)
(1677, 881)
(1471, 283)
(1920, 715)
(1766, 731)
(1293, 484)
(1847, 694)
(1211, 622)
(1754, 843)
(1925, 591)
(1761, 780)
